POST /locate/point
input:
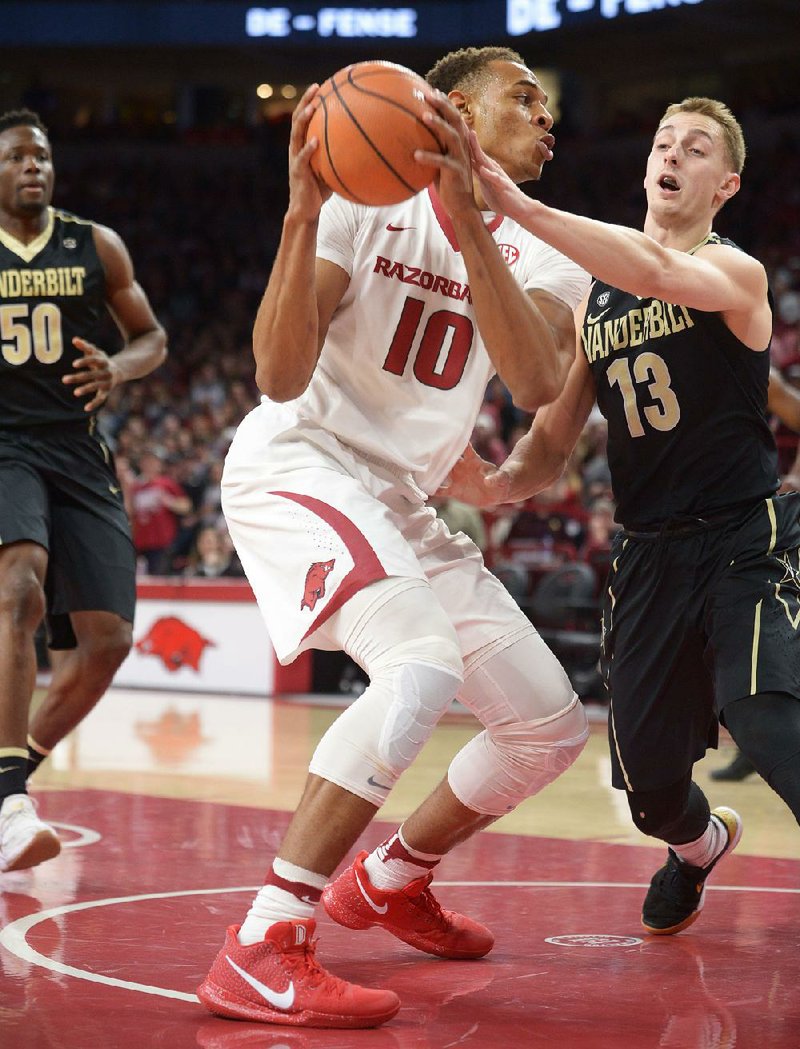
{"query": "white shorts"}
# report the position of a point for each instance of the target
(314, 521)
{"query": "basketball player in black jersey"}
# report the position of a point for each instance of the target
(65, 544)
(702, 607)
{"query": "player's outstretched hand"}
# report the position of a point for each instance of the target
(95, 376)
(475, 481)
(307, 193)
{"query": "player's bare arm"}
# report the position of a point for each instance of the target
(528, 338)
(301, 295)
(715, 279)
(97, 373)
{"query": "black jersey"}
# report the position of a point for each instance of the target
(50, 291)
(686, 406)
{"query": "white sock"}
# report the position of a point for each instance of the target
(290, 894)
(707, 847)
(394, 864)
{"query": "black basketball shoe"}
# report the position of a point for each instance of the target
(675, 897)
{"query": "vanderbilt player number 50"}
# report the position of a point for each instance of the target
(26, 332)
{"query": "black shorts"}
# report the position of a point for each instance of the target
(58, 488)
(694, 619)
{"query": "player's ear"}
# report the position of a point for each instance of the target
(462, 104)
(730, 186)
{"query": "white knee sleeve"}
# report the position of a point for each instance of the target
(502, 766)
(412, 683)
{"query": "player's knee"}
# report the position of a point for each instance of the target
(22, 598)
(501, 767)
(658, 813)
(409, 648)
(102, 653)
(421, 693)
(371, 744)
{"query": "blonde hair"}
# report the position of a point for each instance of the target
(718, 112)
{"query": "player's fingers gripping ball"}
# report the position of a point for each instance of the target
(368, 120)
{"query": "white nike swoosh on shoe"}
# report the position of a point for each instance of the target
(379, 908)
(278, 999)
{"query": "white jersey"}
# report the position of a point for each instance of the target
(403, 369)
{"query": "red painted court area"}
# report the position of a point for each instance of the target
(104, 945)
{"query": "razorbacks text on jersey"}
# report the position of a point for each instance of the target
(686, 407)
(51, 290)
(404, 369)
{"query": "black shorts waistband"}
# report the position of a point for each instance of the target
(687, 524)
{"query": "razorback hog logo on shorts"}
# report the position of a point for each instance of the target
(175, 643)
(315, 583)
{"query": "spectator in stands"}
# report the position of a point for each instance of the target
(213, 556)
(157, 502)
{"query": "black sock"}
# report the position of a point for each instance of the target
(35, 758)
(13, 774)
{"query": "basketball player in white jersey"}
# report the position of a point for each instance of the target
(375, 340)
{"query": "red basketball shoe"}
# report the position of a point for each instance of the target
(279, 981)
(411, 914)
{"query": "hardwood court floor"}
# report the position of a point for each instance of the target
(171, 805)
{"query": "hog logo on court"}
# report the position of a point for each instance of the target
(314, 588)
(175, 643)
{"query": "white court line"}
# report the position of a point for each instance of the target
(12, 937)
(85, 835)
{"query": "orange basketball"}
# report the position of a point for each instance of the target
(368, 121)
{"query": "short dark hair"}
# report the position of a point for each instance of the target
(21, 118)
(464, 69)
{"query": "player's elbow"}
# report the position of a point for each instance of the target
(278, 384)
(537, 396)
